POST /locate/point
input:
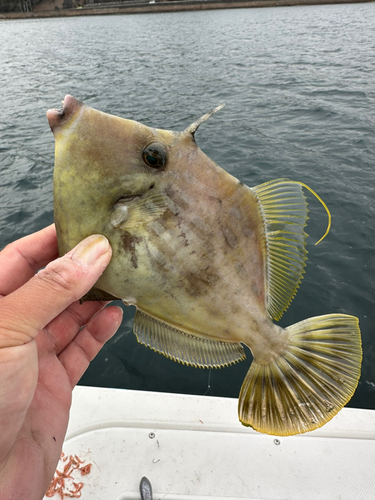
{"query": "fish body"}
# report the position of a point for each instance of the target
(207, 261)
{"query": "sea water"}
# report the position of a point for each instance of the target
(299, 88)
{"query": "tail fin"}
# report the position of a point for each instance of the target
(309, 383)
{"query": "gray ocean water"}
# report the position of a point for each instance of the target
(299, 88)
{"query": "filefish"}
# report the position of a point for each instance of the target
(207, 261)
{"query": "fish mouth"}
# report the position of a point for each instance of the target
(58, 117)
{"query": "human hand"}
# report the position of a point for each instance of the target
(47, 340)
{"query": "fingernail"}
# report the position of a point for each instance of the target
(90, 249)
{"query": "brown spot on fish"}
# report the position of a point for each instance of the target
(183, 235)
(191, 285)
(158, 228)
(173, 207)
(247, 232)
(198, 283)
(230, 237)
(129, 242)
(240, 270)
(257, 289)
(215, 198)
(203, 233)
(235, 309)
(176, 198)
(159, 258)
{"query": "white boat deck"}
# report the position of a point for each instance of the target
(193, 447)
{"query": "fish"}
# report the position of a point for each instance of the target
(209, 263)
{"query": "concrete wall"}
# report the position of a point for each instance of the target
(166, 6)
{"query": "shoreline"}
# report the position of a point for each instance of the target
(173, 6)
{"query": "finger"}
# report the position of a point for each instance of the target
(30, 308)
(65, 327)
(20, 260)
(85, 346)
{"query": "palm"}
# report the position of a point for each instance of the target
(52, 397)
(39, 371)
(64, 351)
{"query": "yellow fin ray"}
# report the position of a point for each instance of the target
(324, 205)
(284, 209)
(309, 383)
(183, 347)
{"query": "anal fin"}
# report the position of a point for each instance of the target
(183, 347)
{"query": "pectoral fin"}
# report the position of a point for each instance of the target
(140, 209)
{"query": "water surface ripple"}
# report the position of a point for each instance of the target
(299, 88)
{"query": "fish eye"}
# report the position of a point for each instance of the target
(155, 155)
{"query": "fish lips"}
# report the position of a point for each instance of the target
(58, 117)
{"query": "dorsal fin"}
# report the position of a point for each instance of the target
(285, 211)
(183, 347)
(194, 126)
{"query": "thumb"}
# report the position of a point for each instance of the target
(30, 308)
